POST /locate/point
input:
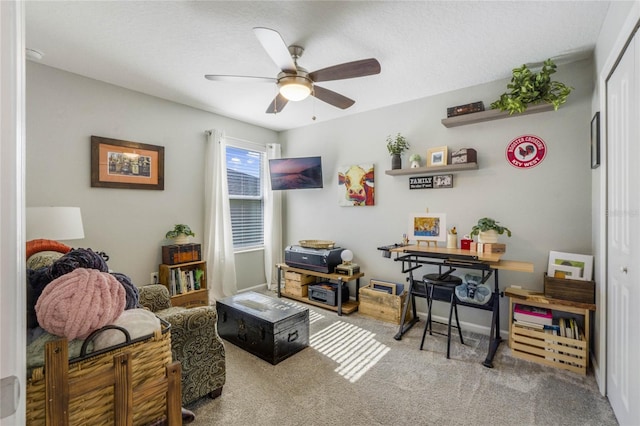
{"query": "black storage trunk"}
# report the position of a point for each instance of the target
(264, 326)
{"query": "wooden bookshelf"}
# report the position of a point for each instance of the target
(188, 298)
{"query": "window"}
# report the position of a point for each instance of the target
(244, 177)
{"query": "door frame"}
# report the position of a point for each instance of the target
(625, 35)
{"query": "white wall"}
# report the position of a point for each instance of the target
(547, 207)
(64, 110)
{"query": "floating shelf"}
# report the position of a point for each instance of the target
(492, 114)
(433, 170)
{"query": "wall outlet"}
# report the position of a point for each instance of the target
(153, 277)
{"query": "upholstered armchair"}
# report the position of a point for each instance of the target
(194, 342)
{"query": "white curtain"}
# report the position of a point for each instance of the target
(273, 250)
(218, 237)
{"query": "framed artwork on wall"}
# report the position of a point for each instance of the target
(356, 185)
(595, 141)
(437, 156)
(427, 227)
(123, 164)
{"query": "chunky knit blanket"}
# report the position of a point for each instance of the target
(80, 302)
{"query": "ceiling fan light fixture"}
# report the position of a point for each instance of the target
(295, 88)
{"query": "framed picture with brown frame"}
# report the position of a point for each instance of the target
(123, 164)
(437, 156)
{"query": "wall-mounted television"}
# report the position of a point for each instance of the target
(295, 173)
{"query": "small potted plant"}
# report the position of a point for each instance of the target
(415, 160)
(180, 234)
(396, 147)
(488, 229)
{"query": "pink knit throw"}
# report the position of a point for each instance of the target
(80, 302)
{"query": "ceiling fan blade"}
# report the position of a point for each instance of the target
(353, 69)
(240, 78)
(332, 98)
(276, 48)
(277, 104)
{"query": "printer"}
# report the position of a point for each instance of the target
(313, 259)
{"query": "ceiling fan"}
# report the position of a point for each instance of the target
(296, 83)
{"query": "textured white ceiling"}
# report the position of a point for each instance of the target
(424, 48)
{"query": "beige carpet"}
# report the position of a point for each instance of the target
(355, 373)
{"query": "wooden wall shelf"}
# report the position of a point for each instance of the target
(492, 114)
(433, 170)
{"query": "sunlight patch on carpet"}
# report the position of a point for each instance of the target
(353, 348)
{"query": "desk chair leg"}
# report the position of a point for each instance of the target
(427, 325)
(453, 308)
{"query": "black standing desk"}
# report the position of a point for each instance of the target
(415, 256)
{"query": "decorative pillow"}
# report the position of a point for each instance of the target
(35, 246)
(43, 258)
(473, 291)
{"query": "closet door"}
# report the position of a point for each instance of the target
(623, 239)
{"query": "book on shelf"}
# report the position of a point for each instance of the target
(528, 324)
(532, 314)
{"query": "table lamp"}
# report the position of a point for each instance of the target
(347, 267)
(54, 223)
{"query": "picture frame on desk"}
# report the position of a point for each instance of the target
(427, 227)
(124, 164)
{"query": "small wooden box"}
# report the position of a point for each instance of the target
(465, 109)
(464, 156)
(573, 290)
(381, 305)
(494, 248)
(181, 253)
(297, 284)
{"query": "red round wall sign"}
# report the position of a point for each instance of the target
(525, 152)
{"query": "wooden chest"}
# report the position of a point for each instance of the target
(264, 326)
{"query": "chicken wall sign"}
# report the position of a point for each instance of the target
(525, 152)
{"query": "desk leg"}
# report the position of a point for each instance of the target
(410, 300)
(494, 336)
(357, 289)
(279, 278)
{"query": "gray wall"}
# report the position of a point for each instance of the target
(63, 110)
(547, 207)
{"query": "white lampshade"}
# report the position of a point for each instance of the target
(54, 223)
(347, 256)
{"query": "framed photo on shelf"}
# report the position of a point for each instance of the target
(123, 164)
(427, 227)
(582, 264)
(437, 156)
(595, 141)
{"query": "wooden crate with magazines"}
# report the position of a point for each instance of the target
(131, 383)
(381, 300)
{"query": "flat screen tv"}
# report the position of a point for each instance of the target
(295, 173)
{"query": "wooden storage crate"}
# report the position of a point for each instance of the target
(132, 383)
(297, 284)
(381, 305)
(556, 351)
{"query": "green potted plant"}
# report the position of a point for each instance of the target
(396, 147)
(415, 160)
(488, 229)
(529, 88)
(180, 233)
